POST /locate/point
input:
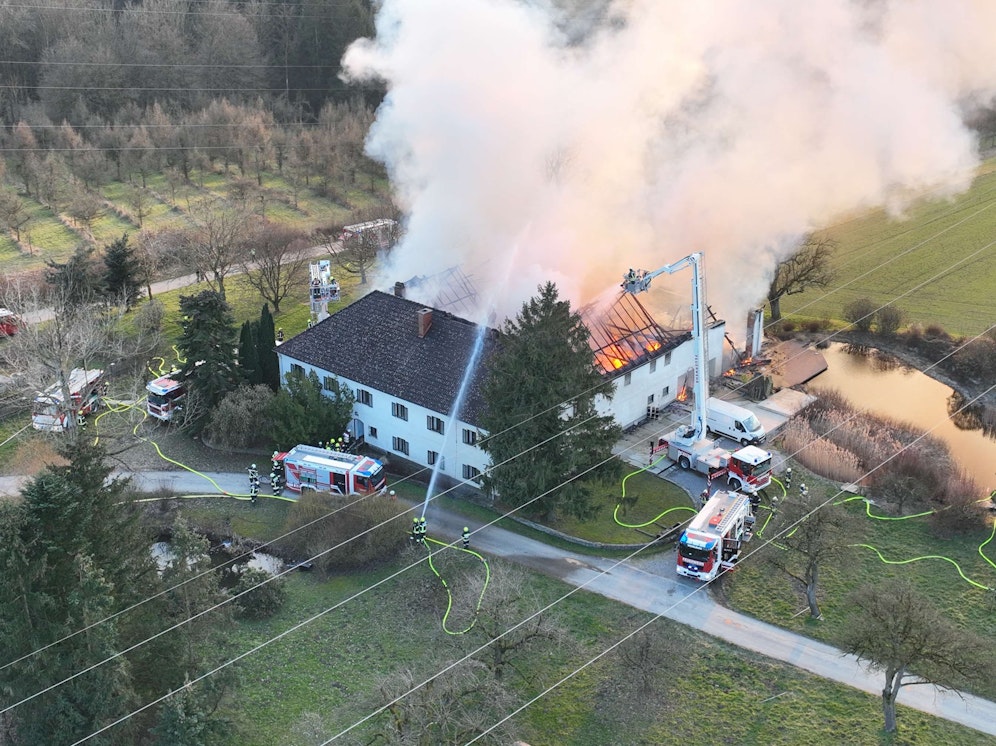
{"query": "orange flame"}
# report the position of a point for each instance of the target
(683, 394)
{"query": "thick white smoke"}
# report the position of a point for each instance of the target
(731, 127)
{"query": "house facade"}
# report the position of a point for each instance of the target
(407, 367)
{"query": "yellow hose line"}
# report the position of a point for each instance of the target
(449, 595)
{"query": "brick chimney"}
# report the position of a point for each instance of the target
(424, 321)
(399, 289)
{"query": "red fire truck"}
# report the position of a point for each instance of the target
(9, 323)
(322, 470)
(49, 411)
(165, 396)
(713, 540)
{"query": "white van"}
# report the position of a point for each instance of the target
(735, 422)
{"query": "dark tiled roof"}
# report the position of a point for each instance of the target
(374, 341)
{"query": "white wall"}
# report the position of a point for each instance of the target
(661, 378)
(380, 427)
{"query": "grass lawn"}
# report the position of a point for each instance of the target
(943, 244)
(325, 676)
(768, 595)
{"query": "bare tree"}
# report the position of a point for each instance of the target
(500, 620)
(13, 214)
(357, 253)
(453, 707)
(276, 262)
(219, 243)
(806, 268)
(899, 633)
(814, 536)
(85, 207)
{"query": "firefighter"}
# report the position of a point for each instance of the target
(280, 335)
(274, 461)
(788, 478)
(80, 419)
(414, 536)
(421, 530)
(803, 489)
(466, 538)
(253, 490)
(275, 486)
(253, 476)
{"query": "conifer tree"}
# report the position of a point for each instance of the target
(266, 346)
(549, 442)
(207, 343)
(249, 365)
(122, 281)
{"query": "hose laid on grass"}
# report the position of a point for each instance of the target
(615, 513)
(449, 595)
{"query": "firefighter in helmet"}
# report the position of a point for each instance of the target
(466, 538)
(414, 536)
(421, 530)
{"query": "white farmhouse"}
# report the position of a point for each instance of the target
(406, 363)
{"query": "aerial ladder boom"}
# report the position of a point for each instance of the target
(637, 281)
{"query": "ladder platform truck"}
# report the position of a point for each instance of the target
(312, 468)
(746, 470)
(49, 411)
(712, 541)
(323, 289)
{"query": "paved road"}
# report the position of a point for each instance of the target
(648, 584)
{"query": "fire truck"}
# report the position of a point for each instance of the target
(320, 469)
(9, 322)
(49, 411)
(746, 470)
(165, 396)
(713, 540)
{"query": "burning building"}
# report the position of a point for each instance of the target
(650, 364)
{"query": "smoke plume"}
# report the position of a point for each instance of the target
(526, 148)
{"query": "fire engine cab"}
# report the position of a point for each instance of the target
(322, 470)
(49, 411)
(165, 396)
(713, 539)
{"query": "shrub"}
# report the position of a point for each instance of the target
(263, 601)
(860, 312)
(963, 512)
(321, 522)
(975, 360)
(813, 326)
(935, 331)
(235, 422)
(889, 319)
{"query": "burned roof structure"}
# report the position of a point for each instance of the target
(623, 334)
(450, 290)
(401, 348)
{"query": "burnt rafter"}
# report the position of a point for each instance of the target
(624, 334)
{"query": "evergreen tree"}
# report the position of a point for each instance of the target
(71, 555)
(122, 281)
(207, 343)
(77, 280)
(302, 413)
(249, 364)
(266, 347)
(552, 453)
(184, 721)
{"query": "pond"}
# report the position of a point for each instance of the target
(881, 384)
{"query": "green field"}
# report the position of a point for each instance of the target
(326, 676)
(937, 263)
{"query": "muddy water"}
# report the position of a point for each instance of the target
(884, 386)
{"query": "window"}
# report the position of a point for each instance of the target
(653, 365)
(373, 432)
(627, 379)
(400, 445)
(431, 458)
(434, 423)
(470, 437)
(364, 397)
(329, 383)
(471, 473)
(667, 358)
(650, 399)
(665, 392)
(295, 368)
(399, 410)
